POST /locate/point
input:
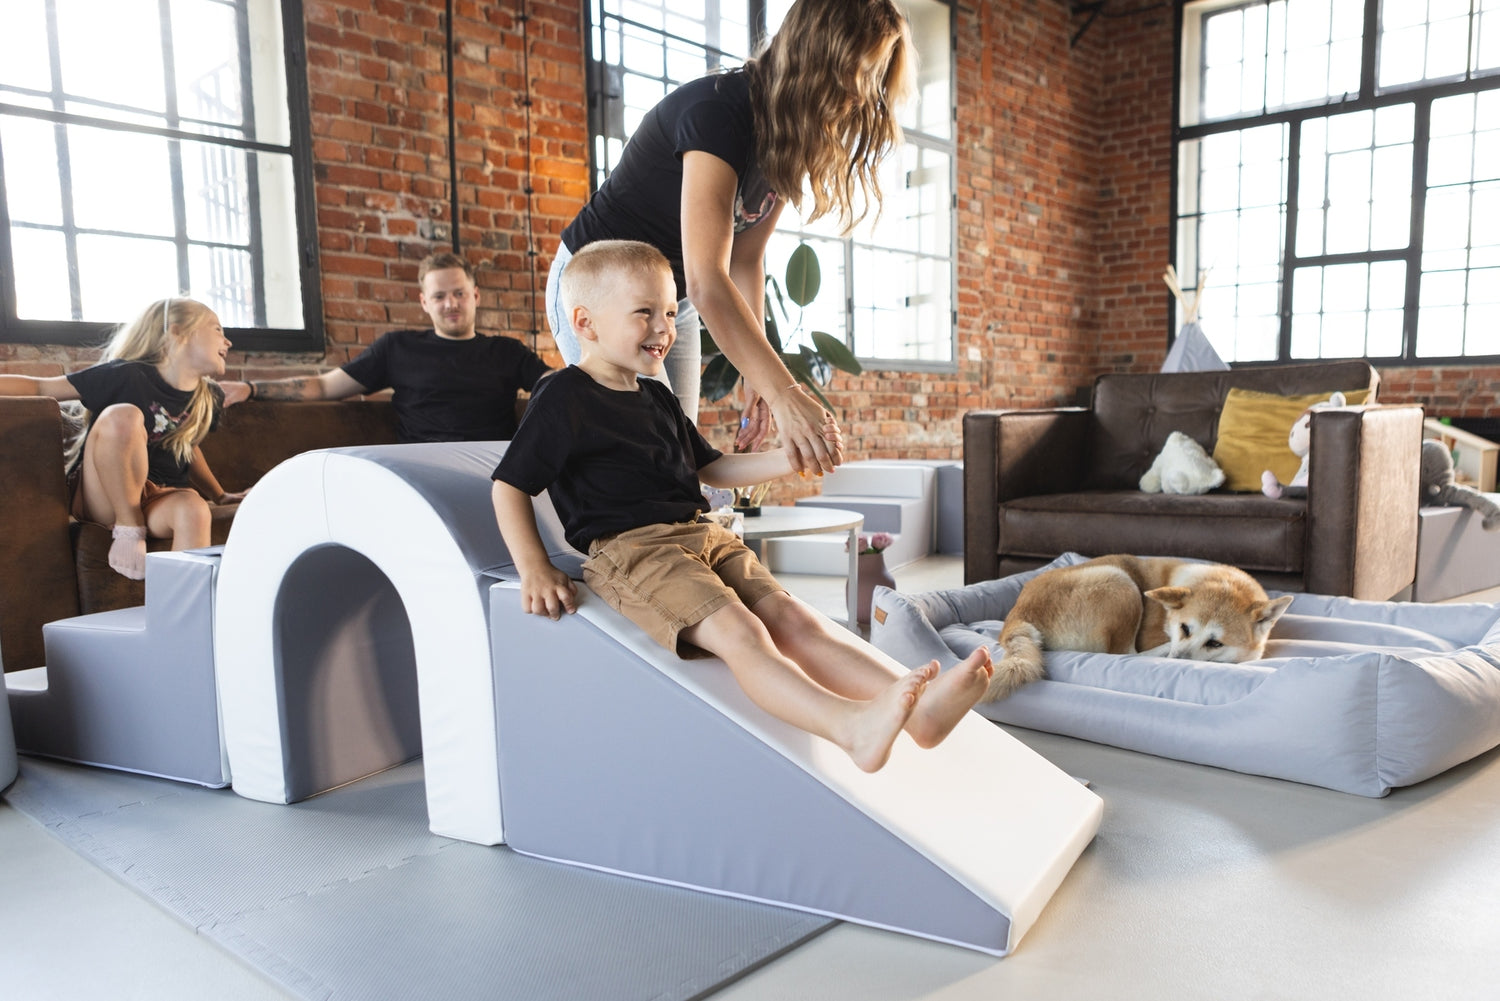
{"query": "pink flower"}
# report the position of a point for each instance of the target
(876, 543)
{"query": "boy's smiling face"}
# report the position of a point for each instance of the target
(628, 327)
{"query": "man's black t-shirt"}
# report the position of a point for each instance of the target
(449, 390)
(642, 197)
(610, 460)
(162, 406)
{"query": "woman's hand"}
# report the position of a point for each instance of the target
(810, 434)
(230, 497)
(755, 424)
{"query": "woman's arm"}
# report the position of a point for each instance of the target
(58, 387)
(708, 251)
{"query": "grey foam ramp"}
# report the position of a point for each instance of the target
(670, 773)
(348, 896)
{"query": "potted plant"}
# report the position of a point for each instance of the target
(811, 365)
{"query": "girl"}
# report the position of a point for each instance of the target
(726, 152)
(138, 466)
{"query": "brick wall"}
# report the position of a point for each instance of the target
(1062, 201)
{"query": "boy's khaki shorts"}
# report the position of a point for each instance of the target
(667, 578)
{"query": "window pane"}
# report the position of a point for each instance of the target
(23, 46)
(105, 163)
(111, 53)
(1348, 310)
(1281, 53)
(1233, 214)
(1355, 182)
(1431, 40)
(117, 274)
(41, 269)
(32, 182)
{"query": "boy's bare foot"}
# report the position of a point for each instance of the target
(950, 695)
(878, 722)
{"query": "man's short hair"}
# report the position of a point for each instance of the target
(598, 262)
(442, 261)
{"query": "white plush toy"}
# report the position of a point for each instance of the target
(1299, 440)
(1183, 467)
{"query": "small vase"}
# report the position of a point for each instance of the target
(872, 571)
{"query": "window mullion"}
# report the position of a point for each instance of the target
(64, 165)
(1289, 253)
(1411, 312)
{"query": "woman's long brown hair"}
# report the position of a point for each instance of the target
(824, 94)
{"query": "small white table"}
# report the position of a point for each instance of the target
(777, 522)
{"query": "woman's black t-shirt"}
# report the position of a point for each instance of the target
(642, 197)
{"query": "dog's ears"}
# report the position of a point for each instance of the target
(1169, 597)
(1267, 613)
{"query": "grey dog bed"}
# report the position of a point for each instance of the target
(1357, 696)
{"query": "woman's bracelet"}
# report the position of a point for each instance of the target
(253, 391)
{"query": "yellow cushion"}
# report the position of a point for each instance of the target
(1253, 429)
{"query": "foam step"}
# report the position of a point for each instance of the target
(133, 688)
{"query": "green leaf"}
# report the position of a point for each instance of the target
(706, 343)
(719, 378)
(803, 275)
(836, 352)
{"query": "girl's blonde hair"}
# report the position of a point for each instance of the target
(824, 92)
(149, 338)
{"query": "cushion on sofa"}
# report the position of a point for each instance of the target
(1253, 430)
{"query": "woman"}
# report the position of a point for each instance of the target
(708, 171)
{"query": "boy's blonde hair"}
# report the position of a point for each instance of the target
(591, 271)
(148, 338)
(824, 92)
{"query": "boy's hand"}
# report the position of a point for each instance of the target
(548, 592)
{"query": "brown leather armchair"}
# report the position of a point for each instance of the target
(1038, 483)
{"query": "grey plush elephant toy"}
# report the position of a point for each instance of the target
(1439, 490)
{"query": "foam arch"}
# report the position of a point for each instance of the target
(422, 516)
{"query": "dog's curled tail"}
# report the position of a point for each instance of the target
(1018, 661)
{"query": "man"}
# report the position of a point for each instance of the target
(450, 383)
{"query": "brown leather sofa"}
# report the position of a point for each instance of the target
(52, 567)
(1038, 483)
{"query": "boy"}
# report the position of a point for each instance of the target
(624, 465)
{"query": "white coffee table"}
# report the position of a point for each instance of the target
(777, 522)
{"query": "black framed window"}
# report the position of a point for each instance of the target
(888, 287)
(1338, 176)
(150, 148)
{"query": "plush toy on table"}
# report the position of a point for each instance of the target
(1439, 490)
(1299, 440)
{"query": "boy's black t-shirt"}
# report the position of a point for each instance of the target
(642, 197)
(610, 460)
(163, 407)
(445, 389)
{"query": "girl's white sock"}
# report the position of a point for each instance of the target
(127, 555)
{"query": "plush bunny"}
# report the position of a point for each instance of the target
(1183, 467)
(1439, 490)
(1299, 440)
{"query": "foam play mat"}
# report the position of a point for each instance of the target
(349, 896)
(1357, 696)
